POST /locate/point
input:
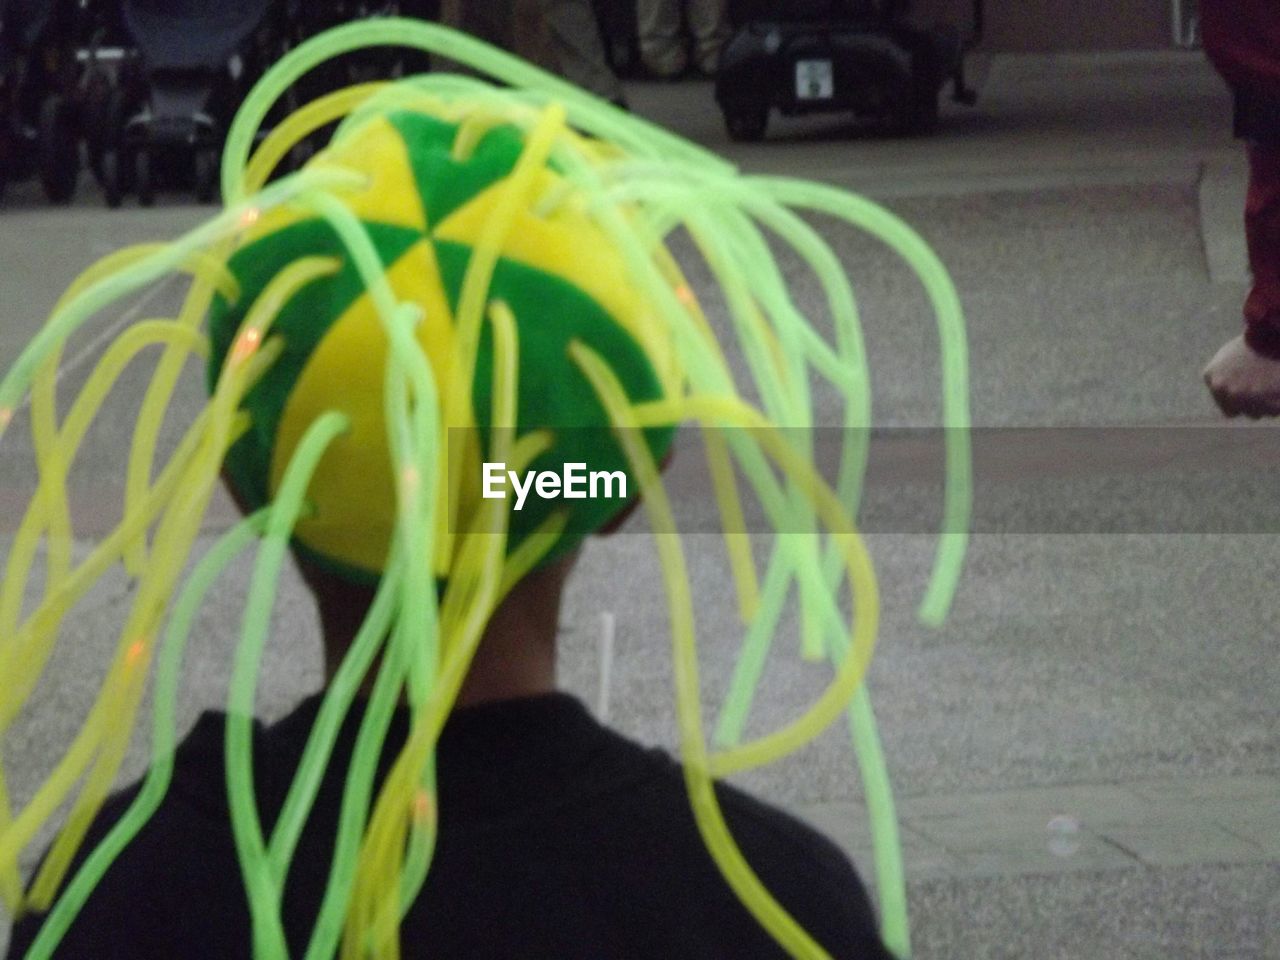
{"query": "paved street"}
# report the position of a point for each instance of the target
(1087, 754)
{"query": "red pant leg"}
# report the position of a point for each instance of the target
(1262, 232)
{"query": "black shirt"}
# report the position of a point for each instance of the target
(558, 839)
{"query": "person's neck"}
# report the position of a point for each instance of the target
(516, 657)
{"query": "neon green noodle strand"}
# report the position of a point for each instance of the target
(340, 694)
(356, 799)
(106, 732)
(156, 784)
(414, 634)
(884, 827)
(605, 120)
(263, 889)
(942, 294)
(886, 844)
(422, 844)
(747, 674)
(112, 288)
(62, 452)
(889, 861)
(707, 815)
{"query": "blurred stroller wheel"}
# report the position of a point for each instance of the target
(109, 174)
(747, 125)
(97, 133)
(916, 115)
(59, 149)
(206, 175)
(145, 177)
(104, 131)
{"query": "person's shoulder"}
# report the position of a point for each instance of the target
(794, 848)
(779, 837)
(808, 874)
(152, 875)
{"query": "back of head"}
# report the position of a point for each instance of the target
(485, 231)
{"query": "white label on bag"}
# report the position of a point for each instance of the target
(814, 80)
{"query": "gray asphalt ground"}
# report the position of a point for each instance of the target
(1087, 754)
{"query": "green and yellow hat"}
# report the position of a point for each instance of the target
(424, 206)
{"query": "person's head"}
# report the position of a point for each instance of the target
(498, 274)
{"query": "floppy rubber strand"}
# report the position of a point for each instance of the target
(330, 924)
(246, 349)
(366, 260)
(84, 409)
(746, 245)
(111, 288)
(40, 511)
(414, 438)
(695, 355)
(804, 241)
(50, 610)
(86, 406)
(812, 249)
(886, 843)
(405, 352)
(55, 787)
(482, 551)
(532, 549)
(708, 817)
(335, 706)
(22, 676)
(424, 803)
(904, 241)
(877, 790)
(82, 750)
(155, 403)
(605, 120)
(210, 275)
(44, 393)
(654, 270)
(861, 577)
(504, 418)
(469, 601)
(11, 892)
(418, 636)
(123, 687)
(758, 340)
(432, 94)
(263, 892)
(164, 722)
(301, 124)
(83, 305)
(704, 366)
(733, 523)
(456, 399)
(40, 514)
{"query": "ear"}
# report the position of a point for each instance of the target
(233, 492)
